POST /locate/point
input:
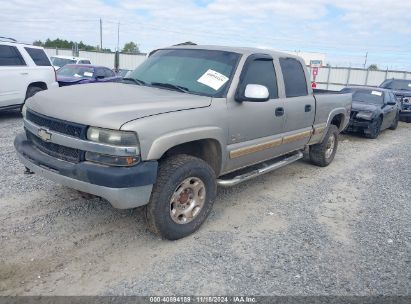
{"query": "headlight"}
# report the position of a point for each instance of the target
(112, 137)
(24, 111)
(111, 160)
(365, 115)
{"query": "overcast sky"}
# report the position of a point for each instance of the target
(345, 30)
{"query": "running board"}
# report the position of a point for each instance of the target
(257, 172)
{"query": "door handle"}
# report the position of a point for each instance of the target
(307, 108)
(24, 73)
(279, 111)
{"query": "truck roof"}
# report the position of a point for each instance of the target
(239, 50)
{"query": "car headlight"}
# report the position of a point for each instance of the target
(112, 137)
(365, 115)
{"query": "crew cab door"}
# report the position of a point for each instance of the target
(299, 105)
(255, 127)
(13, 76)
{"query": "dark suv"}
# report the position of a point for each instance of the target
(402, 90)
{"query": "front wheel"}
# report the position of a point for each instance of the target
(375, 128)
(322, 154)
(182, 197)
(394, 124)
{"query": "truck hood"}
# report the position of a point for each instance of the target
(110, 105)
(362, 106)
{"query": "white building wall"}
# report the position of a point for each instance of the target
(127, 61)
(337, 78)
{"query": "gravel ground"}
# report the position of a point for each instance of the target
(301, 230)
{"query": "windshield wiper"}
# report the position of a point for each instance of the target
(136, 81)
(170, 86)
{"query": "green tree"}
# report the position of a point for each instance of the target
(373, 67)
(131, 47)
(65, 44)
(38, 43)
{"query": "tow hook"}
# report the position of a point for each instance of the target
(28, 171)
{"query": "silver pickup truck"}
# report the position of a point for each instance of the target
(186, 120)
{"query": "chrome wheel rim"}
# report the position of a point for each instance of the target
(187, 200)
(329, 149)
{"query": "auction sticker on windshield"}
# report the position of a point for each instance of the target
(213, 79)
(376, 93)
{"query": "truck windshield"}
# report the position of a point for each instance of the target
(402, 85)
(202, 72)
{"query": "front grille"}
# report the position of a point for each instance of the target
(58, 125)
(61, 152)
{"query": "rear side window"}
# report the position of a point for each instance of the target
(39, 56)
(294, 77)
(262, 72)
(10, 56)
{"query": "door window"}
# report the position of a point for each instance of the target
(39, 57)
(262, 72)
(10, 56)
(294, 77)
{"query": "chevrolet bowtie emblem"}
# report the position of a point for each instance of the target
(44, 134)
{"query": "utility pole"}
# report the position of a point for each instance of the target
(101, 34)
(118, 37)
(366, 57)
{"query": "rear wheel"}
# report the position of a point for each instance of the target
(394, 124)
(375, 128)
(322, 154)
(182, 197)
(31, 91)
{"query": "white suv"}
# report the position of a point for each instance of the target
(24, 70)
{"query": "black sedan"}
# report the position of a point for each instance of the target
(373, 110)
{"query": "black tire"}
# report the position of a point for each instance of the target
(394, 124)
(319, 153)
(172, 173)
(375, 128)
(31, 91)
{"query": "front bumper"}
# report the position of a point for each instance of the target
(405, 116)
(123, 187)
(358, 125)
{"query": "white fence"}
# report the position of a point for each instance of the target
(127, 61)
(328, 78)
(334, 79)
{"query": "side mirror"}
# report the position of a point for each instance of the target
(391, 103)
(254, 92)
(100, 77)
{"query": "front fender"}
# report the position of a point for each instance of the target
(167, 141)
